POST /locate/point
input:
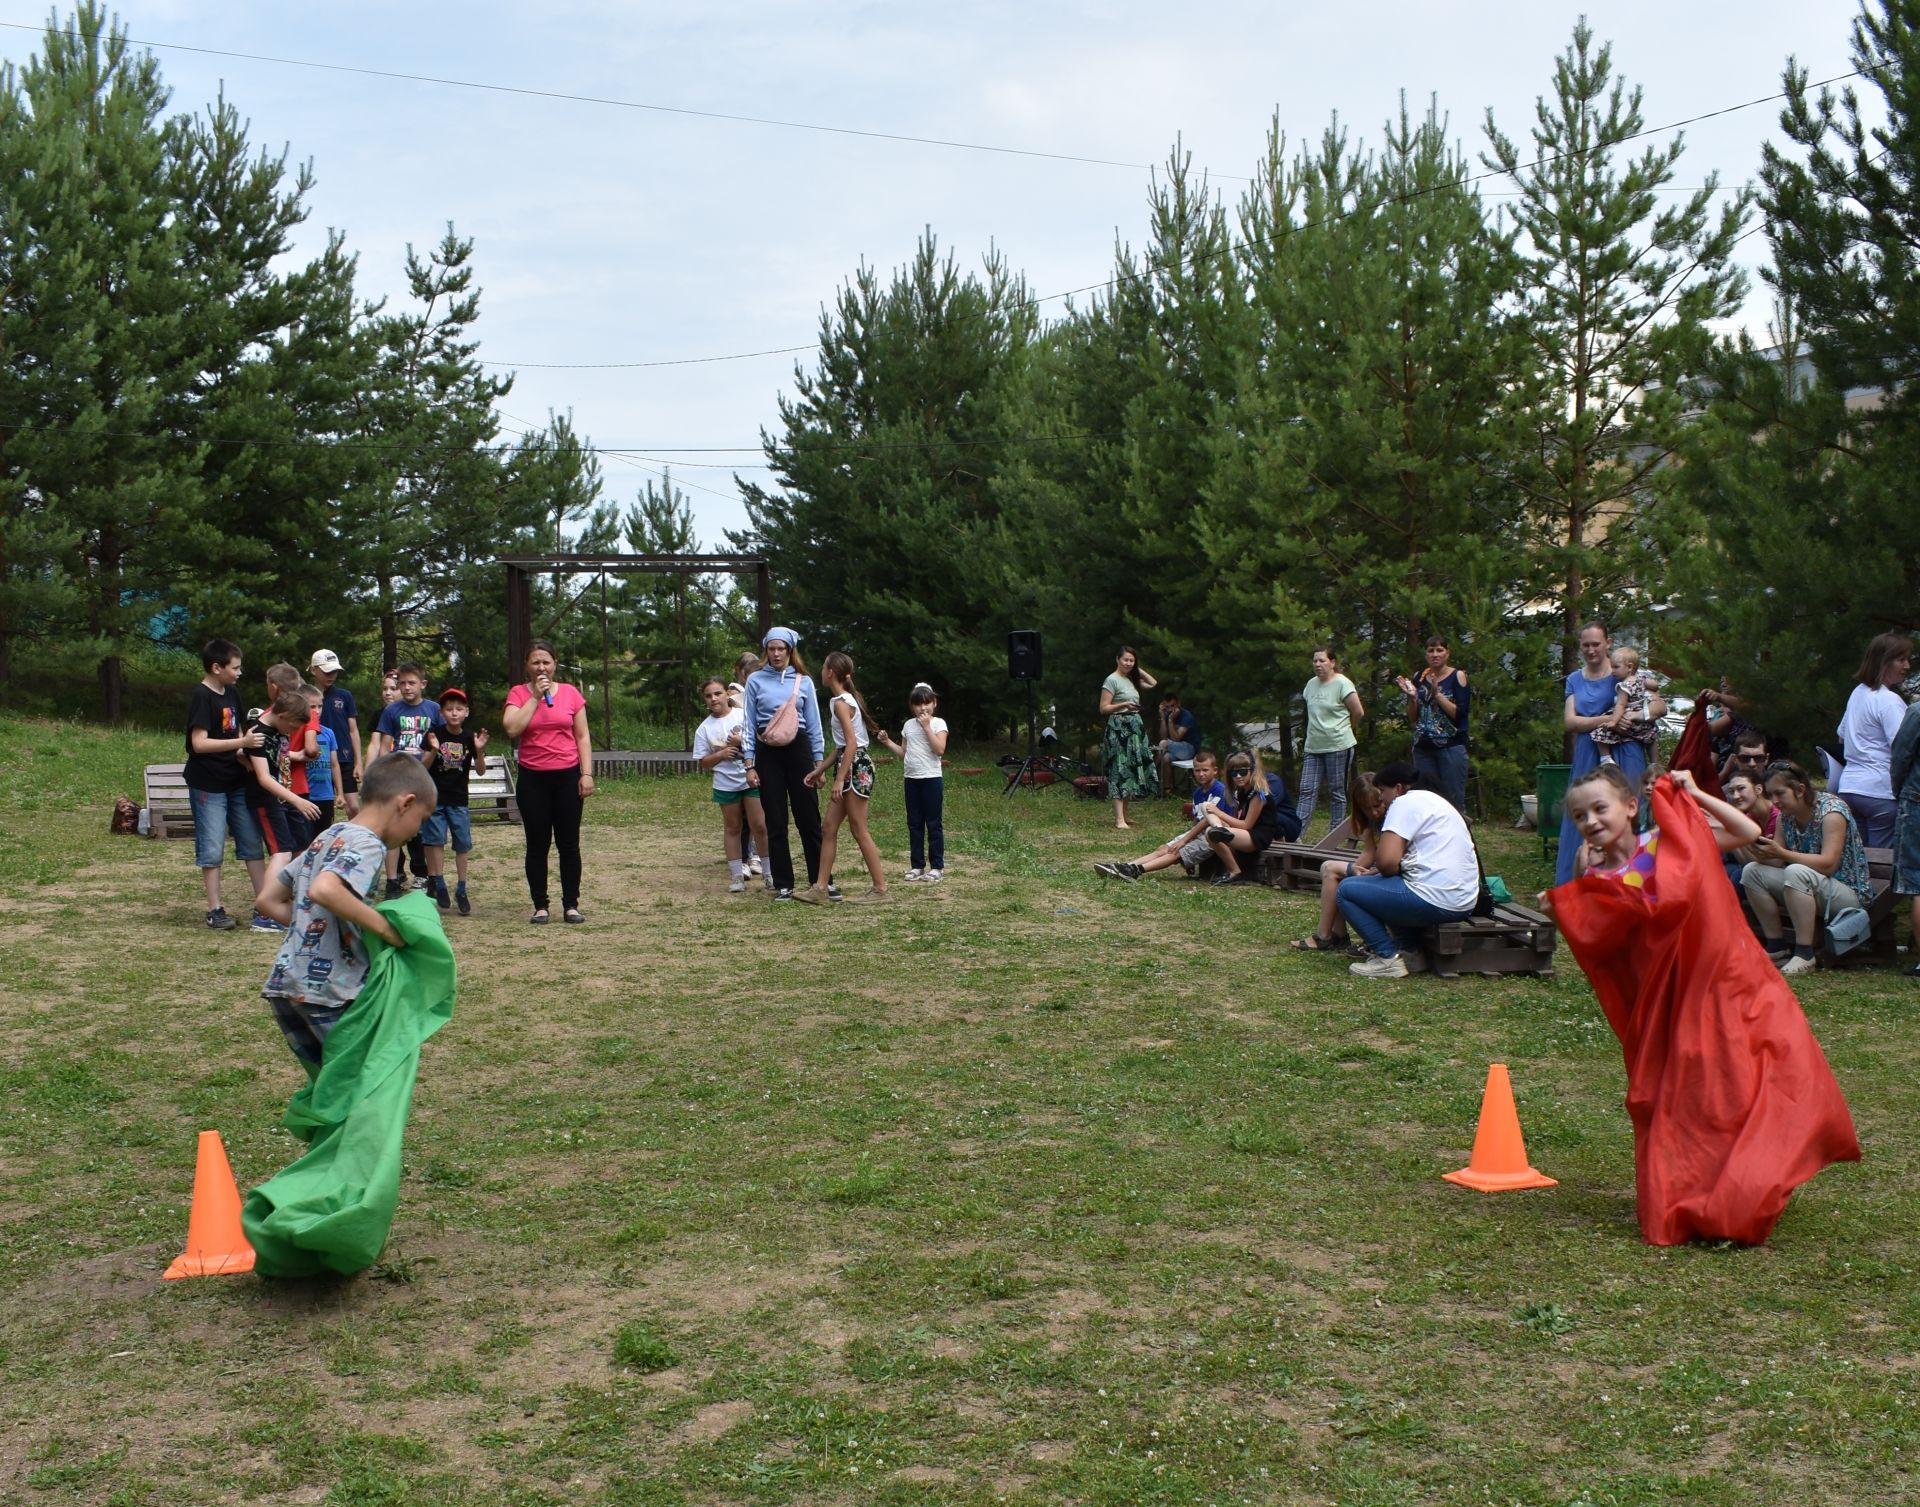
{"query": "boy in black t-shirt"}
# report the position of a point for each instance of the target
(452, 754)
(274, 801)
(217, 781)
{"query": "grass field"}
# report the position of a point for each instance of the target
(1031, 1188)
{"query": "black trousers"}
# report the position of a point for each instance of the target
(550, 811)
(783, 773)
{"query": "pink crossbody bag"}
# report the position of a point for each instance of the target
(784, 726)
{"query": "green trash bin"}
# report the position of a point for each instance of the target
(1550, 787)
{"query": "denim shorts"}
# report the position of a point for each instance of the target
(1177, 750)
(305, 1026)
(215, 814)
(448, 821)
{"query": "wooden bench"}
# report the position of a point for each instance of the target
(169, 804)
(619, 764)
(1880, 908)
(1296, 865)
(1513, 939)
(490, 796)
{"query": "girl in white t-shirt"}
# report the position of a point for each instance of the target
(922, 742)
(716, 744)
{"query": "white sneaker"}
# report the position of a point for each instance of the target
(932, 876)
(1797, 965)
(1394, 967)
(911, 876)
(753, 867)
(737, 885)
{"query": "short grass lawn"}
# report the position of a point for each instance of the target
(1033, 1187)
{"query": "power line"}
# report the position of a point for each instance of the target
(1332, 219)
(618, 104)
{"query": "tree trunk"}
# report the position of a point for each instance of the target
(113, 682)
(389, 626)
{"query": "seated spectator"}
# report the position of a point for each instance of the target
(1814, 866)
(1748, 756)
(1190, 849)
(1254, 816)
(1365, 807)
(1745, 793)
(1428, 872)
(1179, 738)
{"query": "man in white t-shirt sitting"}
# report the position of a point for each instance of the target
(1427, 872)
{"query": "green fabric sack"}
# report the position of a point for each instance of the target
(1497, 887)
(332, 1209)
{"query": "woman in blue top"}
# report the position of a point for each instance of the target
(1437, 707)
(783, 771)
(1590, 696)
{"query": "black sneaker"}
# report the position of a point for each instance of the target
(1128, 871)
(833, 891)
(1110, 870)
(219, 920)
(440, 895)
(460, 901)
(783, 894)
(396, 888)
(1221, 881)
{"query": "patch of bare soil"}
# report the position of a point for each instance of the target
(709, 1423)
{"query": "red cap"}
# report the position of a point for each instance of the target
(452, 692)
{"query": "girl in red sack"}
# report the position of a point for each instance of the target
(1732, 1102)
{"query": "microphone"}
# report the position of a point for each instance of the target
(548, 698)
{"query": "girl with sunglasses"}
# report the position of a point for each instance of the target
(1256, 815)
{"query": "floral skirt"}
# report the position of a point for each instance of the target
(1130, 770)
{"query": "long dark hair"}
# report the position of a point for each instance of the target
(840, 667)
(1134, 673)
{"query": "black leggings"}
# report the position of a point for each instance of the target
(783, 773)
(550, 811)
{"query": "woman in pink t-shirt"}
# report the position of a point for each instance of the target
(547, 719)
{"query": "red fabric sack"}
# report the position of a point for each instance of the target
(1733, 1104)
(1694, 753)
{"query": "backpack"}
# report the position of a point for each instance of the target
(1286, 820)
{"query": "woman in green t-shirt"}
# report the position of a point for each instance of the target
(1333, 706)
(1130, 771)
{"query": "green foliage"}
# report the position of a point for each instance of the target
(641, 1347)
(1790, 526)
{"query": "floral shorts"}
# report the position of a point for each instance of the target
(860, 779)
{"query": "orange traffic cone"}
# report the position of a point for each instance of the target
(216, 1245)
(1499, 1161)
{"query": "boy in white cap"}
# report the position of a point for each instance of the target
(339, 713)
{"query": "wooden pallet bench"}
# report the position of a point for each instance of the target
(168, 802)
(1512, 940)
(619, 764)
(1296, 865)
(490, 796)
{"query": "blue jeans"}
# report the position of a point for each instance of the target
(1329, 770)
(926, 834)
(215, 814)
(454, 822)
(1444, 770)
(305, 1026)
(1373, 903)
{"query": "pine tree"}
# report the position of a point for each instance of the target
(1618, 295)
(1792, 525)
(885, 531)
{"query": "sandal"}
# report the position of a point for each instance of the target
(1318, 943)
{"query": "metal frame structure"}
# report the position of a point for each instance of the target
(521, 570)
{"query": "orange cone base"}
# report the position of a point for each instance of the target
(1500, 1182)
(210, 1265)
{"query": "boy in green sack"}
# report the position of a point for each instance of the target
(321, 897)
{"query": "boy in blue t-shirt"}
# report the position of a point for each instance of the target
(1190, 849)
(325, 777)
(409, 726)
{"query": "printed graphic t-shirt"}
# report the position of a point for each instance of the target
(323, 960)
(709, 737)
(274, 747)
(219, 713)
(452, 764)
(411, 727)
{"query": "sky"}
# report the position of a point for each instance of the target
(606, 234)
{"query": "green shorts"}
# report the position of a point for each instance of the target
(735, 797)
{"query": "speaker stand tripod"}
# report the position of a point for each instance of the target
(1035, 760)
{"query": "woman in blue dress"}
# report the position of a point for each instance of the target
(1590, 702)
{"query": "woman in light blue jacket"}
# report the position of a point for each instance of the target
(783, 772)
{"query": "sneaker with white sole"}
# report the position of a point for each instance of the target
(753, 867)
(266, 923)
(834, 891)
(1794, 966)
(912, 876)
(932, 876)
(219, 920)
(737, 885)
(1394, 967)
